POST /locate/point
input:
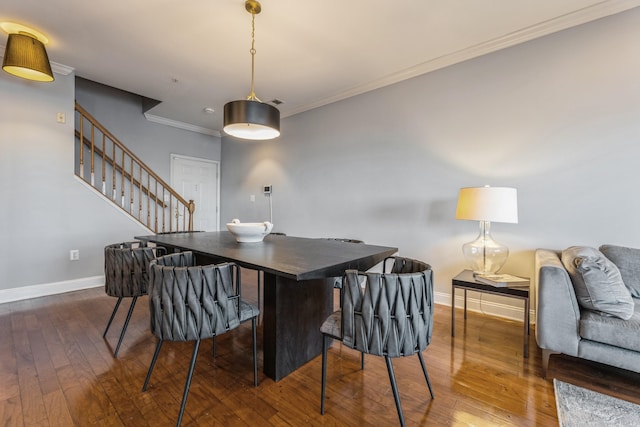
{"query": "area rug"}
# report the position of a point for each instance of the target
(579, 407)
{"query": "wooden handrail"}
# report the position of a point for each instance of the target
(108, 160)
(120, 145)
(161, 205)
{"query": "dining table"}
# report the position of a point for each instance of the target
(298, 281)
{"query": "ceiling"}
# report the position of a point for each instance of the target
(195, 54)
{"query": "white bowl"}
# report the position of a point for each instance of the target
(249, 232)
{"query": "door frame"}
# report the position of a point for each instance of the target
(173, 156)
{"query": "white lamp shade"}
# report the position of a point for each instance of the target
(495, 204)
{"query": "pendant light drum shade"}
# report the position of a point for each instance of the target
(26, 57)
(249, 119)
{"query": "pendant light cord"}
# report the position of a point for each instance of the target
(252, 96)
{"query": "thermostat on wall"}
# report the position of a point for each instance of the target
(266, 189)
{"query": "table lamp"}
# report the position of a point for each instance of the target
(487, 204)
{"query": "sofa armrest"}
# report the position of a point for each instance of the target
(557, 310)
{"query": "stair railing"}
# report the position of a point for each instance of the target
(120, 176)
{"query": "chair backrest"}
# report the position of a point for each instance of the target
(403, 265)
(189, 302)
(126, 268)
(389, 314)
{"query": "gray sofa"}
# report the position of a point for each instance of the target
(564, 323)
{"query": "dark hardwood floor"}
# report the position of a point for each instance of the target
(56, 369)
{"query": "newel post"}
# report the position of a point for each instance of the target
(192, 208)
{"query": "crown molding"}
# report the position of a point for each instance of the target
(182, 125)
(62, 69)
(582, 16)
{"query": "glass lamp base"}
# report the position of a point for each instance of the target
(484, 255)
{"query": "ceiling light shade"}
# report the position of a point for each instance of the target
(251, 118)
(248, 119)
(26, 57)
(485, 204)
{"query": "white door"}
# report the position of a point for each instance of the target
(197, 179)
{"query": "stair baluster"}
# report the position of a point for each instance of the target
(158, 206)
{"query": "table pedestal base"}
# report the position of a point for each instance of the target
(293, 314)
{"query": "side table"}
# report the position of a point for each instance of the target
(466, 281)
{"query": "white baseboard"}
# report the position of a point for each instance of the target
(43, 290)
(487, 307)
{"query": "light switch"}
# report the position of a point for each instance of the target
(61, 118)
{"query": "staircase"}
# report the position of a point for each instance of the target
(110, 168)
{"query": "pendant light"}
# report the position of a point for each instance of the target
(25, 55)
(251, 118)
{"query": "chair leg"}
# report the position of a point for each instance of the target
(362, 361)
(113, 314)
(126, 323)
(215, 347)
(394, 387)
(194, 356)
(152, 365)
(255, 352)
(325, 345)
(424, 370)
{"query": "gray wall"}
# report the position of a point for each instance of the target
(557, 118)
(121, 112)
(46, 211)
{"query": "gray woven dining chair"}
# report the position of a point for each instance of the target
(190, 303)
(125, 276)
(391, 315)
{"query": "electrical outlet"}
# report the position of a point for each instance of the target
(74, 255)
(252, 198)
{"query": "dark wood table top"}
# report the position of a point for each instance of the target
(296, 258)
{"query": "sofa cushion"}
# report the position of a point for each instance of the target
(628, 262)
(597, 282)
(612, 330)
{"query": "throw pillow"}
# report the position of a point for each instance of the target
(628, 262)
(597, 282)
